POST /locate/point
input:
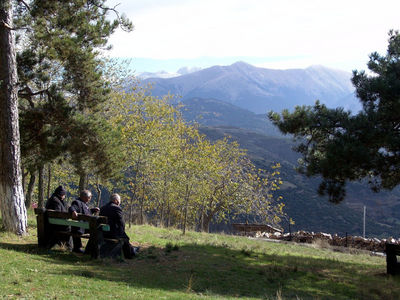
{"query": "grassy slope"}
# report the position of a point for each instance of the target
(204, 266)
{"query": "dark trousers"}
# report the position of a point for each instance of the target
(128, 249)
(77, 242)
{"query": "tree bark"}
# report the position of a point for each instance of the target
(12, 204)
(41, 186)
(98, 192)
(29, 190)
(187, 195)
(82, 181)
(48, 181)
(206, 220)
(24, 174)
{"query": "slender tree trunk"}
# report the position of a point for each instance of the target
(206, 223)
(98, 192)
(162, 215)
(168, 215)
(29, 190)
(130, 213)
(41, 186)
(141, 212)
(82, 181)
(185, 209)
(12, 204)
(48, 181)
(142, 205)
(164, 199)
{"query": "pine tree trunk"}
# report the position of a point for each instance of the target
(12, 202)
(24, 174)
(41, 186)
(29, 190)
(48, 181)
(98, 192)
(82, 181)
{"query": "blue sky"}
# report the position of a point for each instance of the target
(283, 34)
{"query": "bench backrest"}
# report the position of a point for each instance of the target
(65, 218)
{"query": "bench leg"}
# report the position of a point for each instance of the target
(392, 266)
(94, 239)
(43, 238)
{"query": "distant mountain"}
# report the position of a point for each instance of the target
(211, 112)
(260, 90)
(310, 211)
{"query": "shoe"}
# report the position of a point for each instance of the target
(135, 251)
(79, 250)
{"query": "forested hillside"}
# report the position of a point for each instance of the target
(310, 211)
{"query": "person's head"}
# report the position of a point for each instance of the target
(60, 192)
(85, 196)
(115, 198)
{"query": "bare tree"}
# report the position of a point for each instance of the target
(12, 204)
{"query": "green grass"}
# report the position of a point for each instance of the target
(194, 266)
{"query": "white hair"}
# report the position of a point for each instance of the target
(86, 193)
(114, 197)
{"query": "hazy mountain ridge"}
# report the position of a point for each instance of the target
(261, 90)
(212, 112)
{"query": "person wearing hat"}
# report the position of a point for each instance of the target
(56, 202)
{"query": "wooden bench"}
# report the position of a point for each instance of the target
(95, 224)
(392, 265)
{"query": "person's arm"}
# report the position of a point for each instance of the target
(120, 218)
(94, 210)
(121, 224)
(74, 209)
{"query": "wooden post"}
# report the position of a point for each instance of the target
(392, 266)
(94, 238)
(41, 228)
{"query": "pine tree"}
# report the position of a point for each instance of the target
(62, 85)
(342, 147)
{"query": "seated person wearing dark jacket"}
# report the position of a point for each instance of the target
(79, 206)
(114, 215)
(56, 202)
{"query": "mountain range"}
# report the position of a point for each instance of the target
(260, 90)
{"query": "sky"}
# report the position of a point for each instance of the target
(280, 34)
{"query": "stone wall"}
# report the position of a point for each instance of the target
(357, 242)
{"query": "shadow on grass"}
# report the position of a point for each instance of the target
(216, 270)
(54, 256)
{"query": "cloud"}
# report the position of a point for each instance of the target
(329, 30)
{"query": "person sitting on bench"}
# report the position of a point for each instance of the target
(79, 206)
(113, 212)
(56, 202)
